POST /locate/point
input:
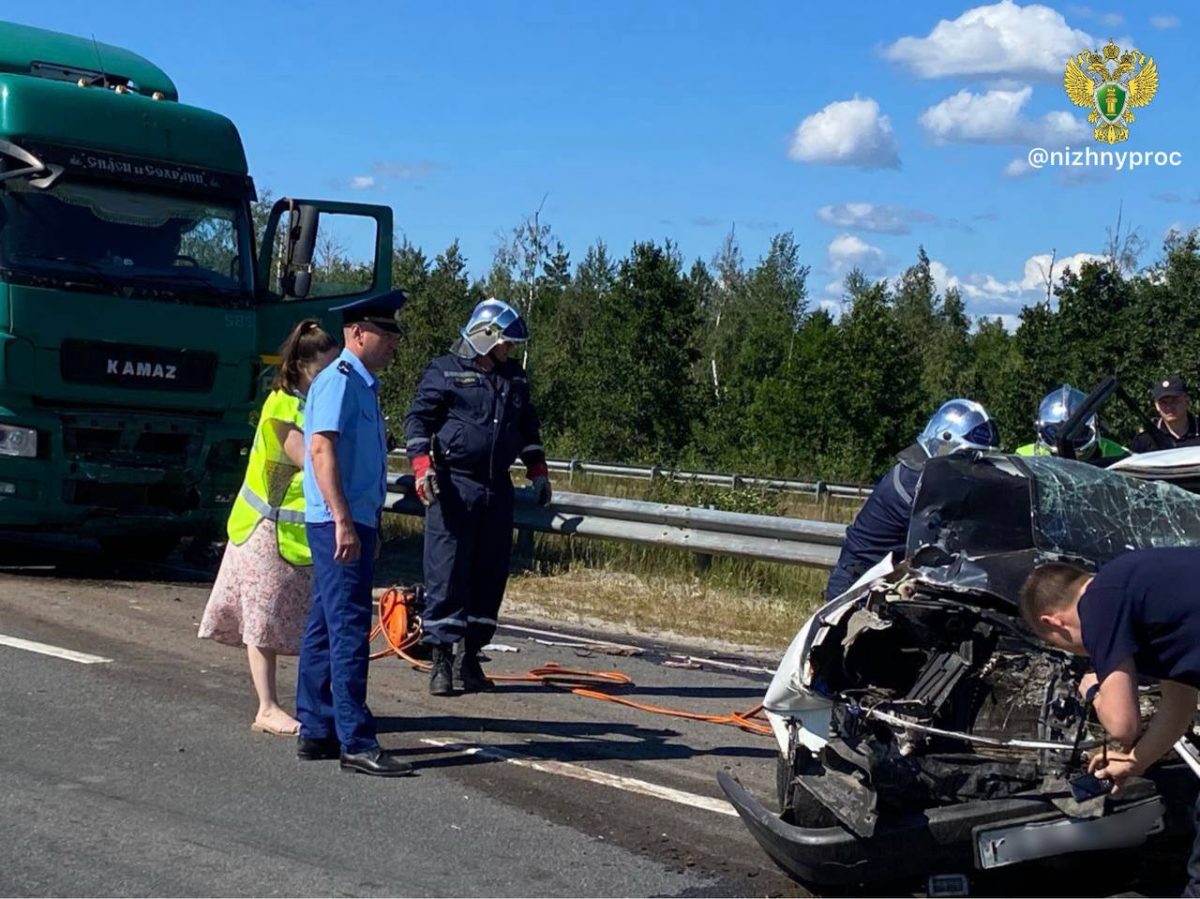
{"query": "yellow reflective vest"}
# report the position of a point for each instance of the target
(273, 488)
(1108, 449)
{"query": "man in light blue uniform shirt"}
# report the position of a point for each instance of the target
(345, 484)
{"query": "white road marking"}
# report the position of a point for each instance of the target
(47, 650)
(561, 634)
(565, 769)
(757, 669)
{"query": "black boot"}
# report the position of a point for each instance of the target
(468, 673)
(441, 677)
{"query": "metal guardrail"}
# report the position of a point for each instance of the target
(767, 538)
(731, 481)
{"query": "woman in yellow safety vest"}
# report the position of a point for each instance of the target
(263, 591)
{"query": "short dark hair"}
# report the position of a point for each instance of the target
(1049, 588)
(303, 346)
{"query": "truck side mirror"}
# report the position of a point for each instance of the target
(295, 279)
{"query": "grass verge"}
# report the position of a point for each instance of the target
(654, 590)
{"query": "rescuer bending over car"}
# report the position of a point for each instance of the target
(1140, 615)
(471, 418)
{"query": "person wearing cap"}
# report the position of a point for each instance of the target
(881, 525)
(1054, 410)
(1176, 425)
(345, 484)
(469, 421)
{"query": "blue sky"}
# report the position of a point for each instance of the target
(864, 128)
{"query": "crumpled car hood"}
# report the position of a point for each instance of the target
(980, 523)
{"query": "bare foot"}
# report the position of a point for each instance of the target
(276, 721)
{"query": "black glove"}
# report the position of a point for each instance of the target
(542, 493)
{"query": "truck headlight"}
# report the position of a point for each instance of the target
(20, 442)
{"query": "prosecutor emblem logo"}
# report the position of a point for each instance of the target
(1111, 84)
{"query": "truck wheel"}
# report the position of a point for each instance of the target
(151, 548)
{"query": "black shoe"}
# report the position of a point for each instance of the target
(468, 673)
(311, 750)
(375, 761)
(441, 677)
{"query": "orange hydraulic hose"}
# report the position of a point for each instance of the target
(401, 629)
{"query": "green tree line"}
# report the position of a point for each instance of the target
(729, 366)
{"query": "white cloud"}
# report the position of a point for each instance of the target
(848, 252)
(1000, 40)
(832, 306)
(1036, 268)
(881, 218)
(1057, 128)
(384, 170)
(987, 295)
(984, 294)
(848, 132)
(1018, 168)
(994, 117)
(1164, 22)
(1112, 18)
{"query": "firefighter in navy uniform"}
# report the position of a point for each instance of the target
(470, 420)
(881, 525)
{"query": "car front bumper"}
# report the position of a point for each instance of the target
(954, 838)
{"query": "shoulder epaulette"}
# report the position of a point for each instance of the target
(344, 367)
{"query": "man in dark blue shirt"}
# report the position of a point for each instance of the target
(1140, 615)
(1176, 425)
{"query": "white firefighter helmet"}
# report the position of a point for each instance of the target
(959, 425)
(494, 321)
(1055, 408)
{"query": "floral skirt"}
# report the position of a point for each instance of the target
(259, 599)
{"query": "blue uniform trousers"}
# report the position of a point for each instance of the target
(331, 686)
(468, 544)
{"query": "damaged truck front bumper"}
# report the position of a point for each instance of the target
(959, 838)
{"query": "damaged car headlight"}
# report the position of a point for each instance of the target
(20, 442)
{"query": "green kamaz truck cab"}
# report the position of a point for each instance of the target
(137, 320)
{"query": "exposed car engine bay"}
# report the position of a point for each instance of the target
(922, 727)
(940, 700)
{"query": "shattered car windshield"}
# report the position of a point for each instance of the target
(1088, 512)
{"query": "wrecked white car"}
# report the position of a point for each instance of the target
(921, 728)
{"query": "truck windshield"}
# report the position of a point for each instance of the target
(133, 242)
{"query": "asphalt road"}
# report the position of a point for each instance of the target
(139, 775)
